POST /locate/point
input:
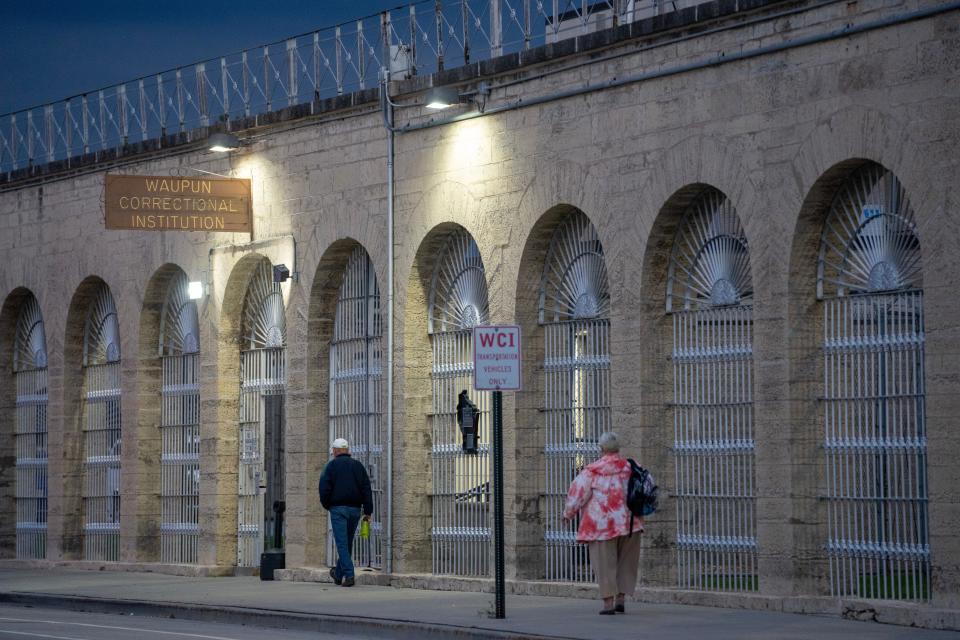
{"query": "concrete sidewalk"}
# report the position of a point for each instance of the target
(398, 613)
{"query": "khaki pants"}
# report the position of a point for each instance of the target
(615, 562)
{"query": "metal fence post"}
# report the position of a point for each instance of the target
(496, 29)
(500, 586)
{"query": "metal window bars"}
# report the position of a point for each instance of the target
(416, 39)
(574, 312)
(262, 384)
(30, 379)
(356, 391)
(714, 449)
(461, 533)
(179, 426)
(101, 430)
(709, 291)
(874, 394)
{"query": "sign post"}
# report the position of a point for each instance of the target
(496, 367)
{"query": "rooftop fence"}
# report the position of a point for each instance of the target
(418, 39)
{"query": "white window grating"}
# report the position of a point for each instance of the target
(356, 391)
(709, 291)
(262, 389)
(574, 312)
(30, 378)
(874, 396)
(179, 427)
(461, 532)
(101, 426)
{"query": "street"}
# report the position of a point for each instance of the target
(29, 622)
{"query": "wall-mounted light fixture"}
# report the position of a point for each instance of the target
(222, 142)
(195, 290)
(444, 97)
(441, 98)
(281, 273)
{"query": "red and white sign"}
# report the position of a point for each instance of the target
(496, 358)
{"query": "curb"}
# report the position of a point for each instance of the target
(267, 618)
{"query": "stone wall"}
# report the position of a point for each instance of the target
(776, 132)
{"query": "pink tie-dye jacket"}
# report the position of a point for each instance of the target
(599, 493)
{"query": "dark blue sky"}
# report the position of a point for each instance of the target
(50, 50)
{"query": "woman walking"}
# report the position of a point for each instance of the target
(599, 494)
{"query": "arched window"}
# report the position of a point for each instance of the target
(575, 314)
(101, 429)
(30, 377)
(179, 352)
(262, 391)
(461, 482)
(869, 278)
(356, 397)
(709, 293)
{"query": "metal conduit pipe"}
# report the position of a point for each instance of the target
(388, 123)
(848, 30)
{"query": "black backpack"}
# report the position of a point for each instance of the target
(641, 492)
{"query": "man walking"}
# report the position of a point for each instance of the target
(344, 491)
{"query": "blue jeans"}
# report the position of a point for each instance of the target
(344, 521)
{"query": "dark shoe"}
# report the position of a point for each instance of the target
(619, 608)
(607, 612)
(333, 574)
(348, 582)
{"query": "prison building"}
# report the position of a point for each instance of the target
(727, 231)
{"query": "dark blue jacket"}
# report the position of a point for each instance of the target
(345, 483)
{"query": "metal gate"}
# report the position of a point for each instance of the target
(461, 531)
(101, 430)
(870, 280)
(30, 377)
(262, 388)
(179, 426)
(574, 312)
(709, 292)
(356, 396)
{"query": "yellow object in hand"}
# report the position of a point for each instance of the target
(364, 528)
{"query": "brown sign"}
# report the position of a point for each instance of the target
(170, 203)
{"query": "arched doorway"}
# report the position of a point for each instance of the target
(179, 352)
(101, 429)
(710, 296)
(575, 316)
(30, 379)
(869, 280)
(356, 391)
(461, 532)
(262, 394)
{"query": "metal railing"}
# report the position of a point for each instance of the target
(417, 39)
(576, 372)
(876, 446)
(31, 444)
(180, 459)
(462, 519)
(714, 449)
(102, 444)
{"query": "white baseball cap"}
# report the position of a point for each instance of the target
(340, 443)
